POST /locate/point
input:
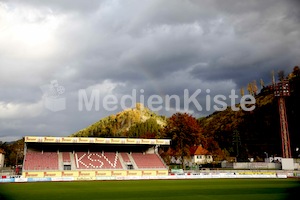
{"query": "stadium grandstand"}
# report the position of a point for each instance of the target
(92, 158)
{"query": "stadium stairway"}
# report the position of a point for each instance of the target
(122, 162)
(66, 158)
(162, 160)
(60, 162)
(73, 166)
(126, 159)
(132, 161)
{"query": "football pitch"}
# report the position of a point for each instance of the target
(225, 189)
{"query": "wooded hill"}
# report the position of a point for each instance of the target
(139, 122)
(256, 133)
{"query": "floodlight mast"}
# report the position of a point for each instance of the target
(282, 90)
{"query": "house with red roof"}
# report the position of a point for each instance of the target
(199, 155)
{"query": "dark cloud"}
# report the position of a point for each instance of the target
(118, 46)
(61, 6)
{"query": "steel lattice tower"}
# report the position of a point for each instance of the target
(282, 90)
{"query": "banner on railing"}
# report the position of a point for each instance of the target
(89, 140)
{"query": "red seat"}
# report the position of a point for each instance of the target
(41, 161)
(125, 157)
(66, 156)
(147, 160)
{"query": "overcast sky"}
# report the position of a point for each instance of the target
(52, 49)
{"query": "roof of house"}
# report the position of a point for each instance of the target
(198, 150)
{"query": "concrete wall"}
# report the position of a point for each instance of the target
(288, 164)
(256, 165)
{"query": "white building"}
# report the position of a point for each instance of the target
(2, 156)
(199, 155)
(273, 159)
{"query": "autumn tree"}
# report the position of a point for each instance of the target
(13, 152)
(185, 132)
(296, 71)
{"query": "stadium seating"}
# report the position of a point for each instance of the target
(41, 161)
(66, 157)
(91, 160)
(97, 160)
(125, 157)
(147, 160)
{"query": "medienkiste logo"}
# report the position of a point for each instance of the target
(53, 96)
(189, 101)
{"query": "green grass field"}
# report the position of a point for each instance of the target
(225, 189)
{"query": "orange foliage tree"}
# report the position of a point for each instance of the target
(185, 132)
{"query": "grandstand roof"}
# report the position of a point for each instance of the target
(91, 140)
